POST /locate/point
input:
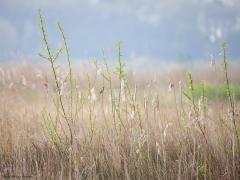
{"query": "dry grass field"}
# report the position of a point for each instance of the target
(134, 128)
(95, 121)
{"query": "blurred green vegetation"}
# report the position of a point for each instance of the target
(216, 91)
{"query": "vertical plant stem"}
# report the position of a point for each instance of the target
(231, 101)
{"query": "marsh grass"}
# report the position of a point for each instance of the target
(105, 123)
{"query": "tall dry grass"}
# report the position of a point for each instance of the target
(100, 122)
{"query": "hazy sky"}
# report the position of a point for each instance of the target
(150, 29)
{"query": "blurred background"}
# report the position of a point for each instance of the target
(151, 30)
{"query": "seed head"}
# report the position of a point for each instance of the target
(99, 71)
(24, 82)
(93, 95)
(123, 96)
